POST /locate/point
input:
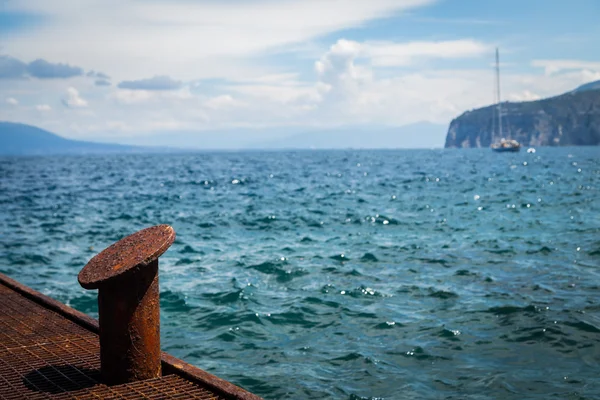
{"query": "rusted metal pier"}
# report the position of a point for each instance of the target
(51, 351)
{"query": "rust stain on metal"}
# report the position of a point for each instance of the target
(172, 365)
(49, 350)
(126, 276)
(126, 255)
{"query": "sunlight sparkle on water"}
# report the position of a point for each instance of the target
(400, 299)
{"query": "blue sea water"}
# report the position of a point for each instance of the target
(462, 274)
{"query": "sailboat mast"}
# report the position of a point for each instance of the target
(498, 93)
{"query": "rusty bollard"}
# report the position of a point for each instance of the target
(126, 276)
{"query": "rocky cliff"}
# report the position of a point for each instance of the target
(571, 119)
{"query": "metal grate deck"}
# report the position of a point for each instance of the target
(43, 355)
(25, 323)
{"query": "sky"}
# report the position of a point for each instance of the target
(121, 70)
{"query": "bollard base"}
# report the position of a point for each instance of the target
(130, 327)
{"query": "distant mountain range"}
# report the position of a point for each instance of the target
(21, 139)
(571, 119)
(418, 135)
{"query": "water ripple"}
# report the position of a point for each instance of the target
(340, 274)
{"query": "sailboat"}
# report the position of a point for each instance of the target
(503, 145)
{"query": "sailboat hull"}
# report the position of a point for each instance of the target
(506, 149)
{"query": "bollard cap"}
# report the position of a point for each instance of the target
(136, 250)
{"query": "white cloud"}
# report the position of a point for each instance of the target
(221, 102)
(276, 93)
(12, 101)
(355, 93)
(550, 85)
(180, 38)
(392, 54)
(388, 54)
(339, 60)
(358, 93)
(155, 83)
(131, 96)
(553, 66)
(145, 97)
(43, 107)
(283, 79)
(72, 99)
(525, 95)
(116, 125)
(347, 95)
(354, 89)
(351, 84)
(340, 78)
